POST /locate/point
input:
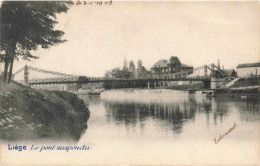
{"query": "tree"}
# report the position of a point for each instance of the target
(140, 63)
(124, 74)
(132, 69)
(141, 70)
(82, 80)
(26, 25)
(114, 73)
(125, 67)
(117, 73)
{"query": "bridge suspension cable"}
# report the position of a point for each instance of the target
(51, 72)
(18, 71)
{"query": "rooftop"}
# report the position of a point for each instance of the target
(248, 65)
(164, 62)
(161, 63)
(183, 65)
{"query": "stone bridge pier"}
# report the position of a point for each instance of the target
(215, 83)
(218, 82)
(207, 84)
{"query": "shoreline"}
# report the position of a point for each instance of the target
(232, 93)
(29, 114)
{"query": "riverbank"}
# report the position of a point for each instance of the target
(27, 113)
(247, 82)
(244, 88)
(247, 94)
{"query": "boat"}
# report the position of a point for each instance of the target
(208, 93)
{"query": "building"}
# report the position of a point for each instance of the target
(212, 71)
(230, 72)
(201, 71)
(248, 69)
(171, 68)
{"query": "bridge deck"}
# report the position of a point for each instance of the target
(34, 82)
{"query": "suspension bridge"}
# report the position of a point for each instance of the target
(63, 78)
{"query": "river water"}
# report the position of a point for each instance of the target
(173, 129)
(160, 128)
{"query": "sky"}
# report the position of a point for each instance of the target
(198, 33)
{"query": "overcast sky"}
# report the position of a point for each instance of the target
(100, 37)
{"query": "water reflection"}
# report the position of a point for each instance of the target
(130, 113)
(176, 114)
(248, 110)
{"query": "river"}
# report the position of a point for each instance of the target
(169, 129)
(163, 128)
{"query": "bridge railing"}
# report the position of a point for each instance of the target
(53, 79)
(72, 81)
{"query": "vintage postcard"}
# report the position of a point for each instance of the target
(107, 82)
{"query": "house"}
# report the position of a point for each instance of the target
(248, 69)
(171, 68)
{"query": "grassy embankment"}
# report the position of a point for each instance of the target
(247, 82)
(26, 113)
(245, 87)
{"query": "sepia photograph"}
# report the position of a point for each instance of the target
(109, 82)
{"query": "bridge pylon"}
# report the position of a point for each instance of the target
(26, 74)
(57, 76)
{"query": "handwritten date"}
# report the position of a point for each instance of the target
(109, 2)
